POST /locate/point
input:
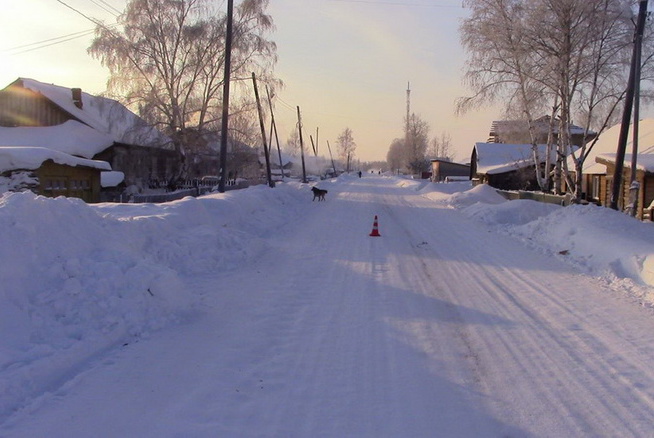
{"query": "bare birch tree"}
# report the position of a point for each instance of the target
(395, 158)
(292, 146)
(346, 147)
(167, 59)
(417, 138)
(440, 147)
(568, 55)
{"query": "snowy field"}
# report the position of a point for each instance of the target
(259, 313)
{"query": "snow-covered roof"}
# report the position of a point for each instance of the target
(31, 158)
(111, 179)
(71, 137)
(493, 158)
(644, 161)
(105, 115)
(607, 144)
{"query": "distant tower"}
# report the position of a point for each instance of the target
(408, 114)
(408, 105)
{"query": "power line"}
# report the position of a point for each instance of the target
(390, 3)
(110, 6)
(25, 48)
(92, 20)
(49, 40)
(106, 7)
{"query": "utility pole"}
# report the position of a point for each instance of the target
(407, 137)
(331, 156)
(274, 126)
(263, 131)
(634, 188)
(225, 119)
(616, 187)
(299, 127)
(313, 146)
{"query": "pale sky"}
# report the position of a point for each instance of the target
(346, 63)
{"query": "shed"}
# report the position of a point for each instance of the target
(53, 173)
(506, 166)
(444, 169)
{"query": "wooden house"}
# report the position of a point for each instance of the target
(599, 166)
(51, 173)
(135, 148)
(506, 166)
(644, 177)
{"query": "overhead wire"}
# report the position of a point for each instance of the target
(395, 3)
(91, 19)
(47, 42)
(110, 6)
(105, 8)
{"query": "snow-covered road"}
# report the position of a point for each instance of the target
(438, 328)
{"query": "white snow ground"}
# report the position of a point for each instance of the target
(259, 313)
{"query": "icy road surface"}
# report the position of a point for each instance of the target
(438, 328)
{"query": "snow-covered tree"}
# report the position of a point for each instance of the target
(292, 146)
(166, 58)
(346, 147)
(562, 57)
(440, 147)
(395, 156)
(417, 141)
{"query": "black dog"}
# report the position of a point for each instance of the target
(318, 193)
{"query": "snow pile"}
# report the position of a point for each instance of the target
(79, 278)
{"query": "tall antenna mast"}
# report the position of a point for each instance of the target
(408, 105)
(408, 115)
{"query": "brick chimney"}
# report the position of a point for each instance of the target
(77, 97)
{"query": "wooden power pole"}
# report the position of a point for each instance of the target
(616, 188)
(299, 127)
(266, 153)
(274, 129)
(225, 119)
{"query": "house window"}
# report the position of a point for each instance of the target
(595, 191)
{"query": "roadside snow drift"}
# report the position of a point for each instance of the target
(79, 279)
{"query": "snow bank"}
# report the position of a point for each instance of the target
(597, 240)
(79, 278)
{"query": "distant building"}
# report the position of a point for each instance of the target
(442, 170)
(507, 166)
(517, 132)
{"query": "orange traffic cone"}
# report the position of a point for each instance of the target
(375, 229)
